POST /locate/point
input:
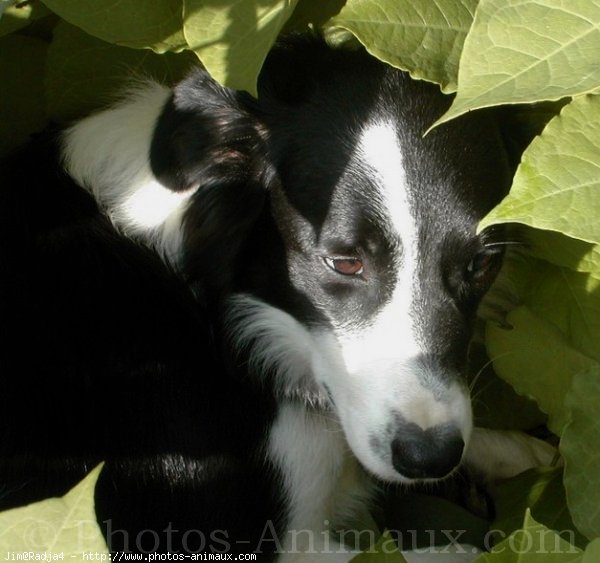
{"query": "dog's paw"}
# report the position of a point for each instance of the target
(501, 454)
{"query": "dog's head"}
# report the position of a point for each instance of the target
(341, 241)
(356, 269)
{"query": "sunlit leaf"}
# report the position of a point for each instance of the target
(154, 24)
(58, 525)
(580, 446)
(424, 38)
(232, 38)
(536, 359)
(526, 51)
(557, 184)
(559, 249)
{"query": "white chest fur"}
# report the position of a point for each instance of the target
(324, 485)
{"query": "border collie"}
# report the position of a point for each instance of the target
(253, 308)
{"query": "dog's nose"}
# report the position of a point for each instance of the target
(427, 454)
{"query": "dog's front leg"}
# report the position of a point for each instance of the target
(501, 454)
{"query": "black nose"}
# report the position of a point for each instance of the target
(431, 453)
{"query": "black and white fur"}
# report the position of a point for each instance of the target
(239, 385)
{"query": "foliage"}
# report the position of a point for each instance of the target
(528, 51)
(545, 499)
(60, 525)
(559, 175)
(233, 38)
(385, 551)
(532, 542)
(424, 38)
(582, 453)
(60, 59)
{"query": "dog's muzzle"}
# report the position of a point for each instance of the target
(426, 454)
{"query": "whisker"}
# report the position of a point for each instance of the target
(505, 243)
(478, 374)
(481, 405)
(476, 398)
(481, 370)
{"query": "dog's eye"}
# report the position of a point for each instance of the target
(484, 266)
(345, 266)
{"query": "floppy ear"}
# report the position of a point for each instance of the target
(205, 135)
(174, 168)
(209, 140)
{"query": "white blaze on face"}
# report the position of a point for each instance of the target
(393, 330)
(382, 373)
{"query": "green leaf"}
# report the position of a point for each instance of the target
(309, 13)
(555, 335)
(565, 251)
(23, 107)
(532, 543)
(592, 552)
(66, 524)
(154, 24)
(20, 15)
(232, 38)
(84, 73)
(496, 405)
(580, 446)
(570, 301)
(4, 4)
(384, 551)
(424, 38)
(541, 490)
(526, 51)
(423, 519)
(536, 359)
(556, 186)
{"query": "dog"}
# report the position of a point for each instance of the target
(248, 308)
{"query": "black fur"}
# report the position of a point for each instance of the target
(106, 354)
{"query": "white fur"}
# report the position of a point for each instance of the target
(501, 454)
(277, 343)
(371, 371)
(310, 449)
(326, 490)
(376, 371)
(149, 206)
(378, 148)
(108, 154)
(366, 397)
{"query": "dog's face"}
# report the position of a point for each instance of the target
(378, 225)
(348, 239)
